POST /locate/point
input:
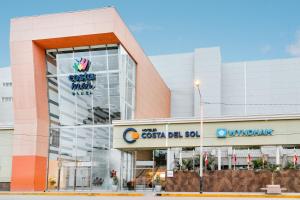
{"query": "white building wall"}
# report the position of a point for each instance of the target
(263, 87)
(207, 69)
(6, 123)
(177, 70)
(233, 89)
(5, 154)
(6, 106)
(273, 82)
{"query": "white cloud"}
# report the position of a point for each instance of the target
(294, 48)
(266, 49)
(139, 27)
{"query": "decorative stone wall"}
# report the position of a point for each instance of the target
(183, 182)
(289, 179)
(233, 181)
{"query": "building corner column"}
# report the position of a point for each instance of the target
(31, 120)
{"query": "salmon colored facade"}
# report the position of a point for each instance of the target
(29, 38)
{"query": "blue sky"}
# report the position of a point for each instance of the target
(244, 29)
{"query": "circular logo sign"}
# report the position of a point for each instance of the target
(130, 135)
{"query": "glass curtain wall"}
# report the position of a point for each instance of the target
(80, 143)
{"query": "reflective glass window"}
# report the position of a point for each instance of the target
(80, 152)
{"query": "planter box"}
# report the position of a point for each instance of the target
(233, 181)
(158, 188)
(114, 188)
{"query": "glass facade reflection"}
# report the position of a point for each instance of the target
(80, 144)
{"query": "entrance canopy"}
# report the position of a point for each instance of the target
(229, 131)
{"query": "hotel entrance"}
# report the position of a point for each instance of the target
(150, 169)
(72, 177)
(235, 150)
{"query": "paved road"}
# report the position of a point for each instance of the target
(147, 197)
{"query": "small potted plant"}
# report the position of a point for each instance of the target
(115, 182)
(130, 185)
(52, 182)
(157, 184)
(258, 164)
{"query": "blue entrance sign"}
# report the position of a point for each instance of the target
(223, 133)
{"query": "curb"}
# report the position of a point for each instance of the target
(70, 194)
(283, 196)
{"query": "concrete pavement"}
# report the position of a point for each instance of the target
(147, 197)
(139, 196)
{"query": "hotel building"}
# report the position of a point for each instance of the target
(81, 99)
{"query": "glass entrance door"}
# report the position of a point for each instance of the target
(127, 171)
(83, 178)
(160, 167)
(66, 175)
(74, 177)
(144, 168)
(150, 169)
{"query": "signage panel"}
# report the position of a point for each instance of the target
(170, 173)
(186, 134)
(82, 83)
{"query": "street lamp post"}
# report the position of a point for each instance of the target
(197, 84)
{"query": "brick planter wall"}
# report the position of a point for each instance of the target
(183, 182)
(233, 181)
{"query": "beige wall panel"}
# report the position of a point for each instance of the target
(285, 132)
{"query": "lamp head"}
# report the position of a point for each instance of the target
(197, 83)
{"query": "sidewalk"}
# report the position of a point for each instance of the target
(89, 193)
(228, 195)
(162, 194)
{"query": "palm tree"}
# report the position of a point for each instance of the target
(273, 168)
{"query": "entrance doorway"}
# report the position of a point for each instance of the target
(150, 169)
(74, 176)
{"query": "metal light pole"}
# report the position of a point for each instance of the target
(197, 84)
